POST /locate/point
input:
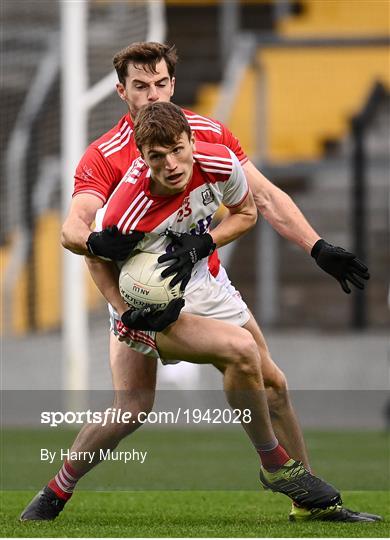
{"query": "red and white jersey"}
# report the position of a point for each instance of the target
(217, 178)
(108, 159)
(111, 157)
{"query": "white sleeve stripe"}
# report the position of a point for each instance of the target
(116, 142)
(136, 200)
(217, 170)
(202, 120)
(115, 136)
(199, 128)
(198, 118)
(194, 123)
(119, 147)
(212, 158)
(225, 166)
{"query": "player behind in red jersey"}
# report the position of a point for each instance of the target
(146, 75)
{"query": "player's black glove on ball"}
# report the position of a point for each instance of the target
(187, 249)
(150, 319)
(111, 245)
(340, 264)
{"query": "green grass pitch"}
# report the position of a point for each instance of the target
(187, 514)
(200, 483)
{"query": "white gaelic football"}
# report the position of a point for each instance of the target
(141, 284)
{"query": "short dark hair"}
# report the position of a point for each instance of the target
(160, 123)
(147, 54)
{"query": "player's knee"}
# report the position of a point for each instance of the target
(246, 355)
(134, 400)
(132, 423)
(277, 395)
(274, 378)
(134, 408)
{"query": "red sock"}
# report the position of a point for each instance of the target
(64, 481)
(273, 459)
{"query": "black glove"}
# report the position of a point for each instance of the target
(340, 264)
(110, 244)
(187, 249)
(150, 319)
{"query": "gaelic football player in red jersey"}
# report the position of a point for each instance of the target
(146, 75)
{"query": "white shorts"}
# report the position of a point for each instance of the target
(215, 298)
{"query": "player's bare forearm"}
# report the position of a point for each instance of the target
(74, 235)
(238, 221)
(280, 210)
(105, 274)
(286, 218)
(77, 225)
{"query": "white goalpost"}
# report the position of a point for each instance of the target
(76, 102)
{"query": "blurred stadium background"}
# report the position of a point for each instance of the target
(305, 87)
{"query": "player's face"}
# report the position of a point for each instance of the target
(171, 167)
(143, 86)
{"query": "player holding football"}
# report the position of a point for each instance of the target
(146, 75)
(172, 197)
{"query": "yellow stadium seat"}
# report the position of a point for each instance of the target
(329, 18)
(47, 291)
(312, 93)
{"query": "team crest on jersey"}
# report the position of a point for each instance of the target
(87, 173)
(207, 197)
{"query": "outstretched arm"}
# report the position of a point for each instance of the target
(280, 210)
(286, 218)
